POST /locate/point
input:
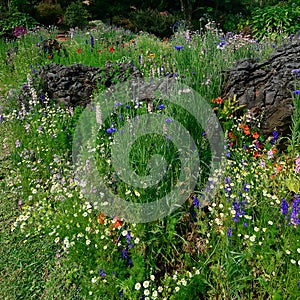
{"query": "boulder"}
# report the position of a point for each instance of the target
(266, 87)
(75, 84)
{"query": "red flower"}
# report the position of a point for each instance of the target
(219, 100)
(255, 135)
(111, 49)
(99, 51)
(246, 130)
(79, 50)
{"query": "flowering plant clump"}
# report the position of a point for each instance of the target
(19, 31)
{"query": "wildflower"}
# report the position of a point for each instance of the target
(146, 292)
(110, 130)
(19, 30)
(17, 143)
(178, 48)
(270, 154)
(101, 272)
(252, 238)
(296, 92)
(196, 202)
(137, 286)
(221, 45)
(297, 166)
(161, 106)
(92, 41)
(79, 50)
(229, 232)
(111, 49)
(295, 211)
(246, 130)
(255, 135)
(284, 206)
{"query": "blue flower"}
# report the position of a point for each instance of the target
(178, 48)
(284, 206)
(161, 106)
(168, 120)
(101, 272)
(124, 253)
(296, 92)
(196, 202)
(110, 130)
(229, 232)
(92, 41)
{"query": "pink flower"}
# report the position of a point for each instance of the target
(297, 167)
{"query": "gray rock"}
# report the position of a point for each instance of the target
(266, 87)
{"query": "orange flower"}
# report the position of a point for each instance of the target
(219, 100)
(255, 154)
(230, 134)
(101, 218)
(255, 135)
(279, 168)
(246, 130)
(118, 223)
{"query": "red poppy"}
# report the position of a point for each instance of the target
(99, 51)
(111, 49)
(79, 50)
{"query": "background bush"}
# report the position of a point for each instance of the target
(153, 21)
(76, 15)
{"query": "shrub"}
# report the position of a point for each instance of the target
(13, 19)
(49, 14)
(153, 21)
(281, 18)
(76, 15)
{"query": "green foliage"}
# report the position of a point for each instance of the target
(48, 14)
(153, 21)
(76, 15)
(12, 19)
(273, 20)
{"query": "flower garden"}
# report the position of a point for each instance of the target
(235, 237)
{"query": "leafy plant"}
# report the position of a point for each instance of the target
(11, 20)
(273, 20)
(76, 15)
